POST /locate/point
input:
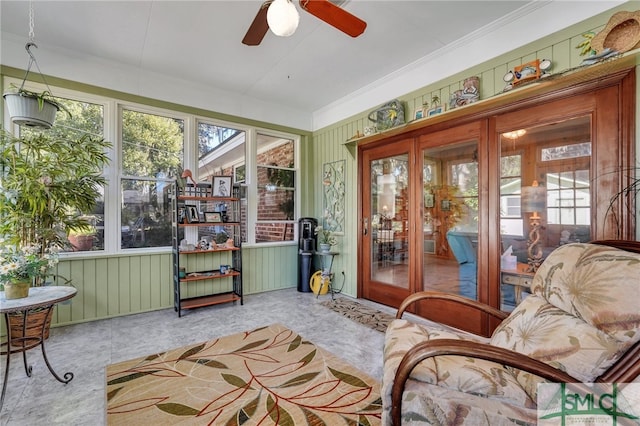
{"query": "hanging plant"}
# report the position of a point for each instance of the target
(27, 108)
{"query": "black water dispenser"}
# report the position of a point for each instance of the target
(307, 241)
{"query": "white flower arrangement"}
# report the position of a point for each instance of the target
(324, 236)
(22, 263)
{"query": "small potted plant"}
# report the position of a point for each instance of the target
(19, 266)
(325, 239)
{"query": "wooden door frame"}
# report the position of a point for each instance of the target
(610, 99)
(388, 295)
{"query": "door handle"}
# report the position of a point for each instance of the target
(365, 226)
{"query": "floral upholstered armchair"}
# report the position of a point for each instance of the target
(581, 324)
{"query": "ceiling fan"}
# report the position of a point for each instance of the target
(325, 10)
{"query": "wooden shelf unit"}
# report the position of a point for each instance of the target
(206, 280)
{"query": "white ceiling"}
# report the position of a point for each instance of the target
(193, 45)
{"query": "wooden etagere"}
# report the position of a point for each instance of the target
(211, 274)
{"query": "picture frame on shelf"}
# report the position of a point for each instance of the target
(429, 200)
(438, 109)
(221, 186)
(212, 217)
(527, 71)
(193, 216)
(420, 113)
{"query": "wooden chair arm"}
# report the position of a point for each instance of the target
(436, 295)
(440, 347)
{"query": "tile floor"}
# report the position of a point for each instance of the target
(85, 349)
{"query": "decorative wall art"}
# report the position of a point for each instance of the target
(469, 93)
(529, 71)
(435, 110)
(333, 196)
(221, 186)
(388, 115)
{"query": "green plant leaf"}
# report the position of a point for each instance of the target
(234, 380)
(301, 379)
(308, 358)
(192, 351)
(279, 415)
(211, 363)
(177, 409)
(348, 378)
(252, 345)
(294, 344)
(113, 393)
(312, 418)
(130, 377)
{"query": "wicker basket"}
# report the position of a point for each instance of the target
(622, 33)
(35, 320)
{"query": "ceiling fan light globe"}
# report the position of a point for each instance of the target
(282, 18)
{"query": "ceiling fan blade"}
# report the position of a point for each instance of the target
(258, 28)
(335, 16)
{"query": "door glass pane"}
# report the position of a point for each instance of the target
(389, 220)
(450, 225)
(545, 171)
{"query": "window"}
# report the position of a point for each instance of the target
(510, 189)
(276, 180)
(85, 118)
(568, 198)
(221, 151)
(152, 147)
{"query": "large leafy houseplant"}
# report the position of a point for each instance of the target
(46, 183)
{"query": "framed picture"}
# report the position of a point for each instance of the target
(445, 205)
(429, 200)
(435, 110)
(222, 186)
(239, 173)
(420, 113)
(193, 216)
(526, 71)
(214, 217)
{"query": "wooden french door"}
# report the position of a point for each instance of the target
(386, 251)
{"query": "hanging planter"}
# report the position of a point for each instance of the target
(30, 110)
(27, 108)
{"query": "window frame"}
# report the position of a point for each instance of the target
(112, 131)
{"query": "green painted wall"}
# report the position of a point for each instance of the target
(128, 284)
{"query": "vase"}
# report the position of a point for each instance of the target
(17, 289)
(325, 247)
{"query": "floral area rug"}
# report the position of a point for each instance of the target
(358, 312)
(266, 376)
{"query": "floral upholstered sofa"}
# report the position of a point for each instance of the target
(580, 324)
